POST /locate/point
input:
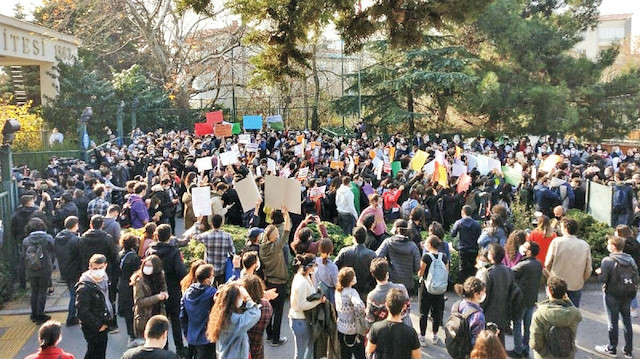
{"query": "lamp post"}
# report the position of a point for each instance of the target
(134, 107)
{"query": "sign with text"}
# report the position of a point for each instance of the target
(253, 122)
(214, 117)
(222, 129)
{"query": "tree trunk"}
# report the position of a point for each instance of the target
(412, 124)
(442, 110)
(316, 82)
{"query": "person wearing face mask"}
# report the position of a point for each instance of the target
(149, 292)
(527, 272)
(196, 304)
(556, 311)
(95, 310)
(129, 263)
(156, 334)
(501, 289)
(233, 314)
(619, 277)
(348, 303)
(473, 292)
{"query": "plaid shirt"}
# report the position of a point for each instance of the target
(97, 205)
(256, 334)
(218, 245)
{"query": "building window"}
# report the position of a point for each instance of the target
(610, 34)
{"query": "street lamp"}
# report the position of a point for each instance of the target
(82, 130)
(11, 126)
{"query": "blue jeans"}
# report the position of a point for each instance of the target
(347, 222)
(575, 296)
(303, 338)
(634, 303)
(615, 308)
(520, 341)
(71, 285)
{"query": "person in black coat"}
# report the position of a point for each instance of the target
(82, 203)
(18, 225)
(38, 251)
(234, 214)
(95, 310)
(174, 271)
(64, 209)
(67, 245)
(527, 272)
(129, 262)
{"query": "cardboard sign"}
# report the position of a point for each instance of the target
(550, 162)
(203, 164)
(228, 158)
(317, 191)
(201, 201)
(202, 129)
(303, 173)
(439, 157)
(252, 122)
(222, 129)
(214, 117)
(337, 165)
(251, 147)
(244, 139)
(298, 150)
(430, 167)
(248, 192)
(464, 182)
(458, 169)
(300, 138)
(377, 163)
(282, 192)
(472, 162)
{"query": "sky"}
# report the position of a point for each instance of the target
(607, 7)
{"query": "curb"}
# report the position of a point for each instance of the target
(57, 309)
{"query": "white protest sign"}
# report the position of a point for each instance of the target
(247, 192)
(430, 167)
(483, 164)
(280, 192)
(317, 191)
(303, 173)
(458, 169)
(203, 164)
(244, 139)
(228, 158)
(271, 166)
(439, 157)
(235, 148)
(472, 162)
(201, 201)
(251, 147)
(494, 164)
(377, 163)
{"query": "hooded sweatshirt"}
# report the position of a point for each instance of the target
(194, 312)
(469, 230)
(103, 286)
(404, 259)
(552, 312)
(608, 265)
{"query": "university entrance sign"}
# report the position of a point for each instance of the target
(23, 44)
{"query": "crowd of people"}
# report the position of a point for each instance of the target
(109, 226)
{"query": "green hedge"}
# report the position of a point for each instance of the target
(594, 233)
(6, 284)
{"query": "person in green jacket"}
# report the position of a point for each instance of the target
(557, 311)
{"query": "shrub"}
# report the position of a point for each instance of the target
(594, 233)
(6, 284)
(337, 236)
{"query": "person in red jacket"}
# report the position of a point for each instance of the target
(49, 336)
(390, 200)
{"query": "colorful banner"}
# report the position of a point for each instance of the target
(222, 129)
(418, 160)
(236, 130)
(214, 117)
(253, 122)
(202, 129)
(396, 166)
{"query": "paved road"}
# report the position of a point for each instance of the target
(592, 331)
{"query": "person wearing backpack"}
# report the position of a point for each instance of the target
(37, 250)
(467, 318)
(434, 277)
(555, 323)
(619, 277)
(622, 205)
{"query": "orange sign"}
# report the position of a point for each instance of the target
(337, 165)
(222, 129)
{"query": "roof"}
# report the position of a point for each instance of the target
(37, 29)
(612, 17)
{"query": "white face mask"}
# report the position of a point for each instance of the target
(483, 297)
(98, 273)
(147, 270)
(523, 250)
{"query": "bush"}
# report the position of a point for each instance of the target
(594, 233)
(337, 236)
(6, 284)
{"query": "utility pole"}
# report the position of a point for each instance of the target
(342, 74)
(119, 116)
(233, 89)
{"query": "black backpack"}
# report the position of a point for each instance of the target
(623, 283)
(35, 258)
(560, 341)
(457, 332)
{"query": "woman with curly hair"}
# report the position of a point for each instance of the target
(232, 315)
(473, 292)
(257, 290)
(149, 293)
(488, 346)
(511, 249)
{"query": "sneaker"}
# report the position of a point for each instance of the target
(634, 312)
(628, 356)
(41, 319)
(114, 330)
(434, 339)
(73, 322)
(604, 350)
(423, 341)
(279, 342)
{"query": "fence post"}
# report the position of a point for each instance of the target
(119, 115)
(6, 165)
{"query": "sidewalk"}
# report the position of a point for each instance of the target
(58, 301)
